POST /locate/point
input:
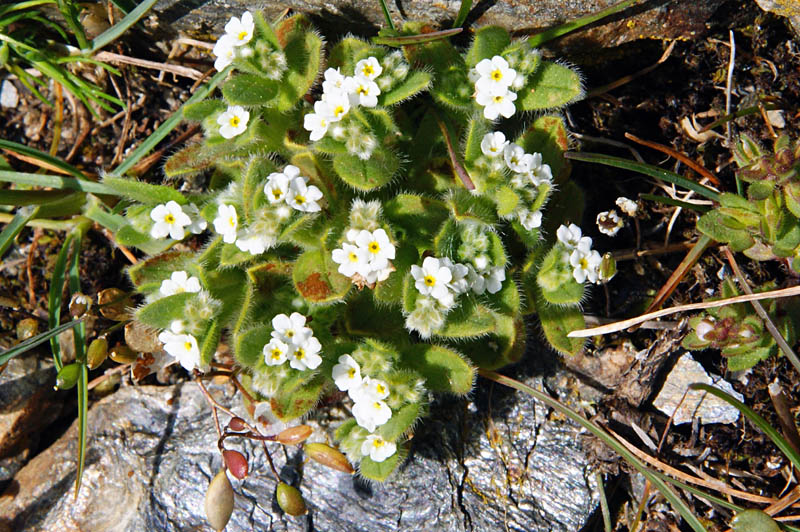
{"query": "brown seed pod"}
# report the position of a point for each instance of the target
(294, 435)
(97, 352)
(291, 500)
(236, 463)
(27, 328)
(219, 501)
(237, 424)
(328, 456)
(123, 354)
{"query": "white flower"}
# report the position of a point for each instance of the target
(609, 223)
(380, 250)
(302, 197)
(306, 355)
(351, 260)
(516, 159)
(318, 121)
(571, 237)
(277, 186)
(224, 51)
(338, 103)
(178, 283)
(347, 373)
(494, 281)
(241, 31)
(169, 220)
(226, 223)
(233, 121)
(493, 144)
(529, 220)
(477, 283)
(703, 328)
(538, 172)
(182, 347)
(369, 390)
(368, 68)
(371, 414)
(496, 103)
(377, 448)
(275, 352)
(459, 283)
(254, 243)
(199, 223)
(495, 75)
(334, 81)
(291, 329)
(585, 265)
(628, 206)
(432, 278)
(362, 91)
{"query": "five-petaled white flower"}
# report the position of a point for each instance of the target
(318, 121)
(377, 448)
(362, 91)
(493, 144)
(303, 197)
(182, 347)
(516, 159)
(628, 206)
(529, 220)
(199, 223)
(432, 278)
(224, 51)
(609, 223)
(338, 105)
(497, 103)
(178, 283)
(240, 30)
(351, 260)
(371, 414)
(368, 68)
(379, 249)
(539, 172)
(254, 243)
(226, 223)
(291, 329)
(347, 373)
(170, 220)
(275, 352)
(278, 183)
(571, 237)
(334, 81)
(233, 121)
(459, 283)
(369, 390)
(585, 264)
(495, 75)
(306, 355)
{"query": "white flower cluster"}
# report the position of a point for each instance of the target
(291, 188)
(238, 33)
(494, 79)
(292, 341)
(171, 220)
(528, 173)
(584, 260)
(369, 408)
(365, 256)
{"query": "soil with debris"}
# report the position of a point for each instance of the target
(654, 104)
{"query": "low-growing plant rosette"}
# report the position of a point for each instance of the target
(347, 242)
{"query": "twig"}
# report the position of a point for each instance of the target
(624, 324)
(125, 251)
(626, 79)
(195, 42)
(763, 313)
(691, 258)
(29, 266)
(700, 169)
(110, 57)
(785, 417)
(728, 83)
(108, 373)
(457, 166)
(615, 143)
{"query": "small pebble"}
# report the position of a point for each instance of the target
(9, 96)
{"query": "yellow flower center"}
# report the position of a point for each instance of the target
(242, 35)
(170, 219)
(289, 333)
(584, 264)
(374, 247)
(276, 353)
(234, 121)
(376, 405)
(353, 257)
(363, 90)
(497, 75)
(231, 222)
(368, 71)
(497, 99)
(380, 388)
(299, 199)
(300, 353)
(187, 346)
(430, 280)
(351, 373)
(338, 110)
(276, 193)
(378, 443)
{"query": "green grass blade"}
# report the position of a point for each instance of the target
(168, 125)
(416, 39)
(756, 420)
(646, 169)
(386, 14)
(30, 343)
(54, 297)
(28, 80)
(96, 213)
(70, 11)
(24, 5)
(20, 198)
(654, 478)
(83, 407)
(553, 33)
(463, 11)
(122, 26)
(74, 288)
(665, 200)
(41, 156)
(55, 181)
(126, 6)
(10, 232)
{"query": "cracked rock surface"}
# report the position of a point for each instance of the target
(496, 462)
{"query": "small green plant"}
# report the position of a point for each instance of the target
(374, 234)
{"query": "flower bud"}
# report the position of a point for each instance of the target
(97, 352)
(27, 328)
(68, 376)
(290, 500)
(328, 456)
(123, 354)
(237, 424)
(219, 501)
(113, 304)
(79, 305)
(294, 435)
(236, 463)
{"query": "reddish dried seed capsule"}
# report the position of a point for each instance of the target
(328, 456)
(294, 435)
(236, 463)
(237, 424)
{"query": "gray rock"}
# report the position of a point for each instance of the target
(660, 20)
(494, 463)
